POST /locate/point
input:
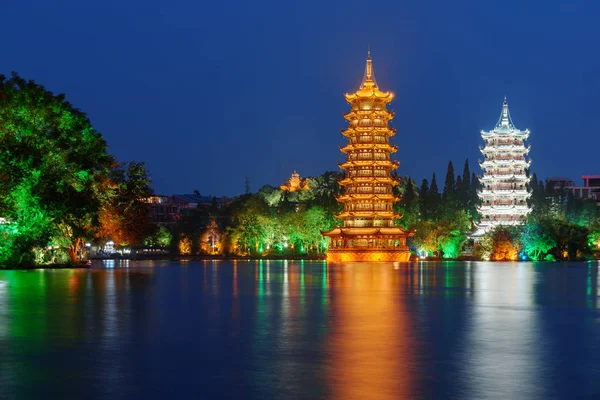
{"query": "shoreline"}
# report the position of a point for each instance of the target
(272, 258)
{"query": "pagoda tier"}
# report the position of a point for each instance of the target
(368, 233)
(505, 180)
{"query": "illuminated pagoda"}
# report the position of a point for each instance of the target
(295, 184)
(368, 233)
(504, 185)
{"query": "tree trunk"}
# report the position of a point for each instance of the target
(73, 249)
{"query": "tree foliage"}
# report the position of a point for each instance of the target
(53, 165)
(536, 241)
(124, 215)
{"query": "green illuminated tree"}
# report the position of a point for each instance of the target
(536, 240)
(317, 219)
(246, 231)
(53, 165)
(161, 237)
(452, 233)
(426, 237)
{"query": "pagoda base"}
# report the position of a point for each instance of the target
(368, 255)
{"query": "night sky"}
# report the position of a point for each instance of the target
(209, 92)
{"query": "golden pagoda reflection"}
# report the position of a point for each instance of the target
(368, 233)
(370, 344)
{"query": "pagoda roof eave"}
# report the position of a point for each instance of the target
(368, 93)
(511, 133)
(392, 181)
(350, 147)
(357, 231)
(382, 163)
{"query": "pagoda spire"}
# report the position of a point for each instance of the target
(505, 117)
(369, 77)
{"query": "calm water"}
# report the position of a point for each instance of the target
(298, 330)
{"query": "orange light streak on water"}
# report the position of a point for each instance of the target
(371, 345)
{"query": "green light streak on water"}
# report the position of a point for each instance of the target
(302, 296)
(324, 284)
(261, 282)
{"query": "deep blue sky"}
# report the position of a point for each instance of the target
(209, 92)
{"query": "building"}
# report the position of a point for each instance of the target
(589, 190)
(164, 210)
(504, 185)
(167, 210)
(368, 233)
(295, 184)
(558, 184)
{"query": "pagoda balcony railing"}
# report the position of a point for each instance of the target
(369, 191)
(368, 123)
(514, 158)
(505, 143)
(368, 209)
(504, 149)
(503, 204)
(486, 192)
(501, 173)
(369, 224)
(368, 158)
(369, 140)
(502, 218)
(502, 187)
(381, 174)
(493, 161)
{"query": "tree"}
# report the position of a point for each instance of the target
(536, 240)
(449, 183)
(434, 200)
(594, 240)
(474, 197)
(248, 216)
(464, 189)
(409, 204)
(161, 237)
(53, 164)
(450, 243)
(449, 194)
(453, 233)
(424, 201)
(505, 243)
(270, 195)
(124, 214)
(317, 219)
(426, 238)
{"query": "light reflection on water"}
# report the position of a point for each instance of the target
(302, 329)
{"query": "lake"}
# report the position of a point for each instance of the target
(301, 330)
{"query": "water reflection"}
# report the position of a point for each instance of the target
(503, 347)
(371, 346)
(301, 329)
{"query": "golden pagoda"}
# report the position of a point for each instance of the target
(295, 184)
(368, 233)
